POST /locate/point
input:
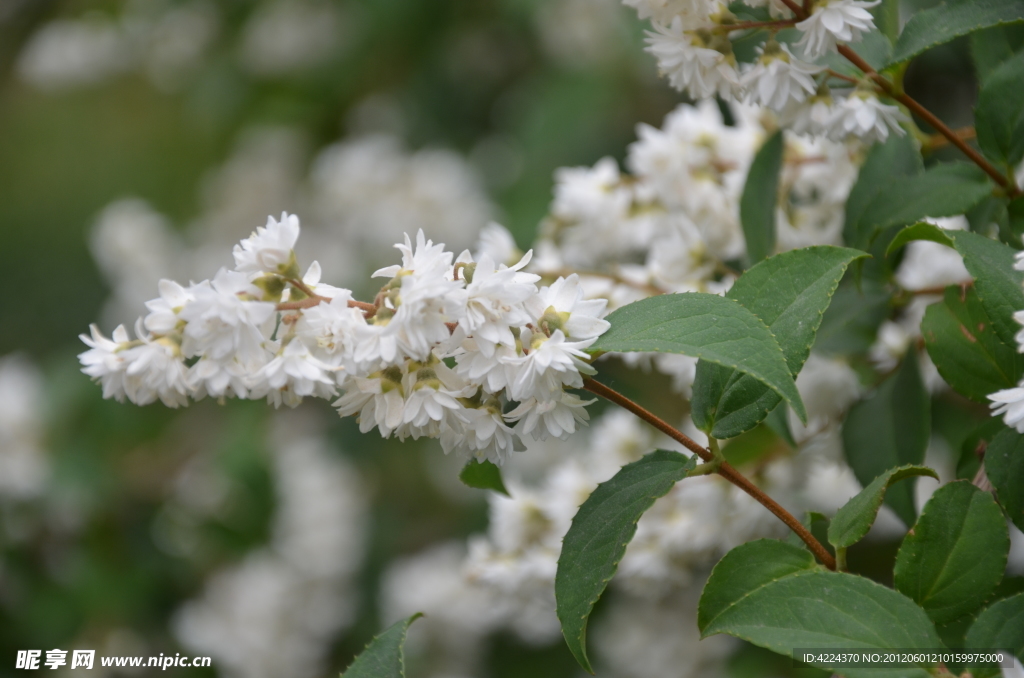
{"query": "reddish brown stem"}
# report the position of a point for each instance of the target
(726, 470)
(926, 115)
(316, 300)
(931, 119)
(938, 141)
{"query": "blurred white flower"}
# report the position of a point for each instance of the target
(833, 21)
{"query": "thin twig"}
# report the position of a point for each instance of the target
(905, 99)
(727, 471)
(842, 76)
(938, 141)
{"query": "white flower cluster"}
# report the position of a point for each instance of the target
(24, 463)
(690, 39)
(277, 611)
(1009, 402)
(451, 348)
(672, 224)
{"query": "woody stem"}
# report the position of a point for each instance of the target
(726, 470)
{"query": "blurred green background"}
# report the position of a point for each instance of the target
(548, 83)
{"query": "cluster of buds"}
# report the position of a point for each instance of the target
(464, 349)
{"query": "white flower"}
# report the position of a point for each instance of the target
(154, 369)
(105, 361)
(481, 432)
(890, 346)
(1010, 403)
(224, 320)
(218, 378)
(550, 418)
(690, 64)
(561, 306)
(929, 265)
(833, 21)
(163, 311)
(269, 248)
(292, 374)
(1019, 261)
(332, 328)
(550, 363)
(811, 116)
(694, 12)
(143, 370)
(423, 298)
(496, 242)
(432, 391)
(862, 116)
(377, 399)
(778, 78)
(494, 302)
(590, 192)
(493, 372)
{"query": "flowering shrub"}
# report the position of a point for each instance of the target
(732, 255)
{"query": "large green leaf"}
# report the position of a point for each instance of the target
(941, 24)
(1004, 466)
(943, 190)
(990, 262)
(598, 536)
(384, 657)
(992, 46)
(1000, 626)
(854, 519)
(954, 557)
(850, 325)
(999, 114)
(965, 348)
(773, 597)
(760, 195)
(897, 157)
(789, 292)
(706, 326)
(483, 475)
(890, 428)
(746, 568)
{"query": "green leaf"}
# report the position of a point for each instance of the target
(922, 230)
(855, 518)
(384, 657)
(944, 190)
(954, 557)
(483, 475)
(993, 46)
(990, 262)
(1000, 626)
(598, 536)
(941, 24)
(897, 157)
(850, 325)
(760, 195)
(999, 114)
(890, 428)
(706, 326)
(774, 597)
(746, 568)
(968, 353)
(1004, 466)
(789, 292)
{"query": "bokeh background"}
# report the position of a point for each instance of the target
(139, 139)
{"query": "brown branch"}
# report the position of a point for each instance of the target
(938, 141)
(931, 119)
(726, 470)
(315, 300)
(842, 76)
